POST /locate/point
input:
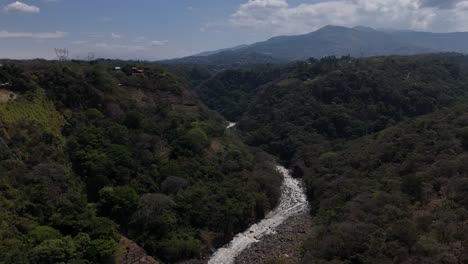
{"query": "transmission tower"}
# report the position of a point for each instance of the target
(62, 54)
(90, 56)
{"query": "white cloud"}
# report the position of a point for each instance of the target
(21, 8)
(279, 17)
(34, 35)
(117, 36)
(158, 42)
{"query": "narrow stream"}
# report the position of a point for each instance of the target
(293, 201)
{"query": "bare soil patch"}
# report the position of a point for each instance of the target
(133, 253)
(6, 95)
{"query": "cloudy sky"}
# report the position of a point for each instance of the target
(160, 29)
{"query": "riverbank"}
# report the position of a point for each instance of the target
(284, 245)
(293, 203)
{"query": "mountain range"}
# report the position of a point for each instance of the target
(359, 41)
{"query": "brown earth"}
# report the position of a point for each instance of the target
(133, 254)
(6, 96)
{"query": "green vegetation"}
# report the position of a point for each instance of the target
(304, 104)
(396, 191)
(33, 107)
(104, 154)
(380, 142)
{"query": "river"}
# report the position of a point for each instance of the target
(231, 125)
(293, 202)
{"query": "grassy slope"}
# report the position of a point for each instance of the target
(32, 107)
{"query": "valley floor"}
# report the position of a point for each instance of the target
(293, 204)
(285, 245)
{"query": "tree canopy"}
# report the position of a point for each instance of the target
(97, 153)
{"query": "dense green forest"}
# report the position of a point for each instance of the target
(380, 142)
(89, 154)
(291, 108)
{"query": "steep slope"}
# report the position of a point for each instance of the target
(384, 175)
(94, 152)
(398, 196)
(332, 98)
(230, 92)
(207, 53)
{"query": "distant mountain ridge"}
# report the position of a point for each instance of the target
(207, 53)
(359, 41)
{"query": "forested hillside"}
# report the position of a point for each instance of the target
(397, 196)
(380, 142)
(287, 109)
(89, 154)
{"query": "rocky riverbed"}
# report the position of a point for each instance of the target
(279, 235)
(293, 203)
(284, 245)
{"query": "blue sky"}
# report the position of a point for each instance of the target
(160, 29)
